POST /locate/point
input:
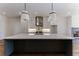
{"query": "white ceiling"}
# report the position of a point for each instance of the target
(42, 9)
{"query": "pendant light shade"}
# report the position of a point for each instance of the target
(52, 16)
(24, 15)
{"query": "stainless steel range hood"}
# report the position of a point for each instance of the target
(39, 25)
(39, 21)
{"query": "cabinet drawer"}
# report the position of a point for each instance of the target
(1, 50)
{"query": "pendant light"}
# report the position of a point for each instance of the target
(25, 15)
(24, 19)
(52, 16)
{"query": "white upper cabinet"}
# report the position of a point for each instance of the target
(75, 20)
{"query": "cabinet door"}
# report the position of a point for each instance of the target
(1, 50)
(75, 21)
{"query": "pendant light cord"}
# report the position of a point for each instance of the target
(24, 6)
(52, 7)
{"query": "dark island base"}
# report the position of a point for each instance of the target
(38, 54)
(41, 47)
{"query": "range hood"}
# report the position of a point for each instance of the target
(39, 25)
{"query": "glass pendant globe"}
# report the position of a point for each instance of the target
(52, 18)
(25, 15)
(24, 21)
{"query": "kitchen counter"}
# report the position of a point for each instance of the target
(26, 36)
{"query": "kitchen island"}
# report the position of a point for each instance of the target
(38, 45)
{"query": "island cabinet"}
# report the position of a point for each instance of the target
(1, 47)
(38, 47)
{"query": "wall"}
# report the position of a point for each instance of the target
(69, 25)
(3, 25)
(61, 24)
(9, 25)
(32, 22)
(64, 25)
(13, 26)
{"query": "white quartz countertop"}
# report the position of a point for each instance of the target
(26, 36)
